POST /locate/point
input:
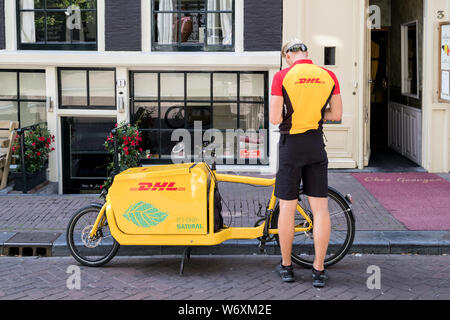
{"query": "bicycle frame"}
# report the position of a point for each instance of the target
(210, 238)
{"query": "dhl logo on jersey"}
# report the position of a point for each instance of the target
(309, 81)
(157, 186)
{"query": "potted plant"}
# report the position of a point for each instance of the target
(129, 146)
(37, 146)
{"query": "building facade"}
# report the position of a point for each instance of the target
(83, 65)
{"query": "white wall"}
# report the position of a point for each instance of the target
(436, 115)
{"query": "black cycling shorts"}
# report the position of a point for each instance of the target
(302, 159)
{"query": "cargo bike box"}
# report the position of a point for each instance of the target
(166, 201)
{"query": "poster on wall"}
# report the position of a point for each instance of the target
(445, 61)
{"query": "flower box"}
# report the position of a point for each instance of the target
(33, 179)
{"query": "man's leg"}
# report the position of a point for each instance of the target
(321, 231)
(286, 225)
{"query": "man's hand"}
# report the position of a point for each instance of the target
(276, 109)
(334, 113)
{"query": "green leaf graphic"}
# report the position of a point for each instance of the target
(144, 215)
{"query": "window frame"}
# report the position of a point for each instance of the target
(88, 107)
(405, 58)
(88, 46)
(178, 47)
(185, 101)
(18, 100)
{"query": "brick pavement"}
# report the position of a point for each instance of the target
(52, 212)
(224, 277)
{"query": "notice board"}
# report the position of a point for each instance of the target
(444, 58)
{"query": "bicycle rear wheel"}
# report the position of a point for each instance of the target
(92, 253)
(342, 230)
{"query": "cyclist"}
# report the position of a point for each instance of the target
(300, 96)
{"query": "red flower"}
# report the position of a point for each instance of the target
(38, 153)
(126, 150)
(53, 149)
(33, 144)
(133, 143)
(125, 142)
(115, 125)
(49, 140)
(140, 149)
(41, 139)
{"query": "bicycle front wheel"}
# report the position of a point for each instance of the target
(90, 252)
(342, 230)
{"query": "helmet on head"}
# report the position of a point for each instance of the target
(294, 46)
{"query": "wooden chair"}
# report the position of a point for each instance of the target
(7, 135)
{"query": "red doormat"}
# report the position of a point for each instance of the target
(421, 201)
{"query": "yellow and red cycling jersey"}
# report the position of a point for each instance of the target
(307, 90)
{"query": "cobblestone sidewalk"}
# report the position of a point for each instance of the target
(52, 212)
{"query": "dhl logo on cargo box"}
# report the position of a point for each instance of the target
(157, 186)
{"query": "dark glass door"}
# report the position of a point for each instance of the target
(379, 107)
(85, 159)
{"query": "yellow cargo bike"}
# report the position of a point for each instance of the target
(179, 205)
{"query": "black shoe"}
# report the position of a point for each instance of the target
(286, 273)
(319, 278)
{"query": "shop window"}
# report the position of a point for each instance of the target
(193, 25)
(410, 60)
(22, 96)
(162, 102)
(87, 88)
(57, 24)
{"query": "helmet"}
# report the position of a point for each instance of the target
(294, 46)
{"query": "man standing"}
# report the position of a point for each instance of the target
(300, 96)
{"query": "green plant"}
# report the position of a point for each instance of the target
(129, 149)
(37, 144)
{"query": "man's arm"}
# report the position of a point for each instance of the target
(334, 112)
(276, 109)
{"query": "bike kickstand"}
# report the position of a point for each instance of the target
(186, 255)
(262, 246)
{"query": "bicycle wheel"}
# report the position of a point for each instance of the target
(92, 253)
(342, 230)
(174, 117)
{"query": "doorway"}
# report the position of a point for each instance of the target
(379, 85)
(85, 159)
(383, 156)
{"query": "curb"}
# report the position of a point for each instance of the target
(365, 242)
